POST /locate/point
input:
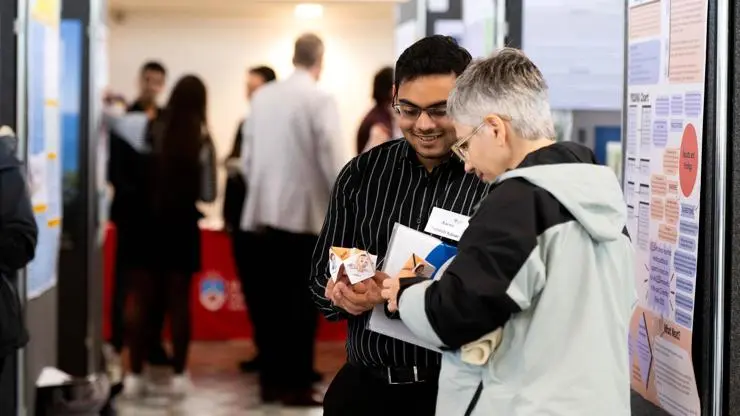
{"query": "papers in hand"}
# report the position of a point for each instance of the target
(358, 264)
(406, 245)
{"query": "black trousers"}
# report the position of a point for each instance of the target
(244, 244)
(282, 309)
(357, 392)
(118, 309)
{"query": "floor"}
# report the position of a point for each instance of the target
(220, 390)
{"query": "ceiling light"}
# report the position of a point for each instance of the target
(308, 11)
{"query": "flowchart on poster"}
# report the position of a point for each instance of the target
(662, 181)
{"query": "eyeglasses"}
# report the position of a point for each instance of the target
(460, 148)
(412, 112)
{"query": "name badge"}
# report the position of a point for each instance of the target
(447, 224)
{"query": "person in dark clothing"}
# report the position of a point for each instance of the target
(379, 120)
(151, 82)
(18, 237)
(236, 190)
(152, 78)
(169, 166)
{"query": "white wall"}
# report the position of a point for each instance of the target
(359, 40)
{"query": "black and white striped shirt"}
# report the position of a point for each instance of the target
(374, 191)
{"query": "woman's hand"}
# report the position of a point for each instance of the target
(390, 292)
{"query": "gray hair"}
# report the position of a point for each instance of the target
(309, 49)
(506, 83)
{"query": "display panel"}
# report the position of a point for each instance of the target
(44, 165)
(662, 179)
(578, 46)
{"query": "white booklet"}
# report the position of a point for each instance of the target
(406, 242)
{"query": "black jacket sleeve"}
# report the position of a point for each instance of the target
(18, 231)
(496, 271)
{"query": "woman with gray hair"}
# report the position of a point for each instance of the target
(542, 286)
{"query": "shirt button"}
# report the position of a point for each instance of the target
(418, 220)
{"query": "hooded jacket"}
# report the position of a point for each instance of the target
(546, 257)
(18, 234)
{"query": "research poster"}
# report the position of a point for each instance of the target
(44, 130)
(662, 177)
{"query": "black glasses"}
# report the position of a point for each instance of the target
(412, 112)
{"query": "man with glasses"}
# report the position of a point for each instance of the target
(398, 181)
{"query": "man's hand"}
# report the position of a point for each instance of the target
(390, 293)
(358, 298)
(329, 289)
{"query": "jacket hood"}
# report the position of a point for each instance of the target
(590, 192)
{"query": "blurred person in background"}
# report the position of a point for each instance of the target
(152, 76)
(377, 126)
(289, 165)
(18, 237)
(235, 193)
(173, 168)
(234, 197)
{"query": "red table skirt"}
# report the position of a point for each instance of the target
(218, 308)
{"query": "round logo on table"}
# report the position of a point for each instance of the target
(212, 292)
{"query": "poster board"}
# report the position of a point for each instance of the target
(578, 46)
(666, 43)
(44, 130)
(480, 20)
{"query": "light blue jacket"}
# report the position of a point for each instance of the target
(565, 311)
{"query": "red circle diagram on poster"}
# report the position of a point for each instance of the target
(689, 161)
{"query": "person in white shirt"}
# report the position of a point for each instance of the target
(288, 161)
